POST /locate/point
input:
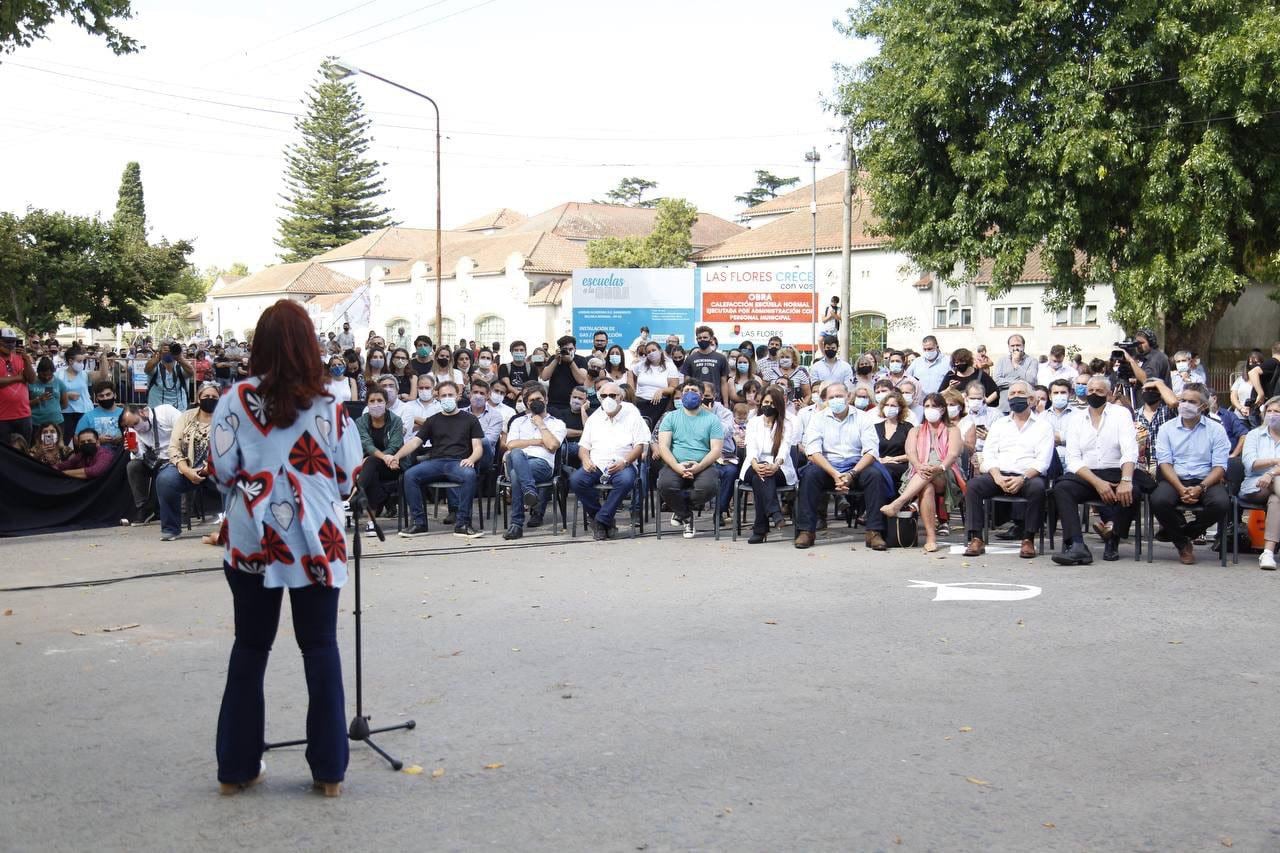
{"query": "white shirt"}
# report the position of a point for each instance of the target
(1112, 444)
(414, 412)
(340, 388)
(1046, 374)
(760, 447)
(346, 340)
(523, 429)
(986, 418)
(838, 440)
(610, 439)
(650, 379)
(825, 371)
(1010, 448)
(164, 417)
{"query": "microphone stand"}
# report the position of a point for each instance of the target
(359, 729)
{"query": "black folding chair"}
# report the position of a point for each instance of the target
(557, 475)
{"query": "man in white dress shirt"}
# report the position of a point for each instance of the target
(1018, 449)
(613, 440)
(532, 440)
(1102, 454)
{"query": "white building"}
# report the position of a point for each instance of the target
(234, 308)
(892, 304)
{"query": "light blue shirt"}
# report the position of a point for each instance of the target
(928, 375)
(840, 441)
(824, 371)
(77, 381)
(1258, 444)
(1194, 452)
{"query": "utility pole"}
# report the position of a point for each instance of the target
(812, 158)
(846, 246)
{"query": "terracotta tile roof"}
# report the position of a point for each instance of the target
(577, 220)
(305, 277)
(552, 293)
(395, 243)
(543, 253)
(830, 191)
(1033, 271)
(326, 301)
(793, 235)
(503, 217)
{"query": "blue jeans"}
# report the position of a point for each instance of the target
(728, 480)
(242, 720)
(170, 487)
(434, 471)
(583, 483)
(482, 468)
(523, 472)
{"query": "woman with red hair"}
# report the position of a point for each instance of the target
(285, 455)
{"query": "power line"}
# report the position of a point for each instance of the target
(427, 24)
(352, 34)
(291, 33)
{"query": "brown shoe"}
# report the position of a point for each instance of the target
(976, 548)
(1028, 549)
(804, 538)
(1187, 553)
(329, 789)
(875, 541)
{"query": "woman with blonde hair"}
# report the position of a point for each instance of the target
(799, 382)
(932, 450)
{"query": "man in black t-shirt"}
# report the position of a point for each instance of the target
(517, 372)
(562, 374)
(704, 364)
(1263, 377)
(456, 446)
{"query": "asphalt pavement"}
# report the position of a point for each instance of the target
(645, 695)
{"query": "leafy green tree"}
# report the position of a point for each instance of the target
(332, 186)
(131, 208)
(22, 22)
(195, 284)
(767, 186)
(167, 316)
(668, 245)
(630, 191)
(1131, 142)
(54, 265)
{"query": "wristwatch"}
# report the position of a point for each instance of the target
(1126, 479)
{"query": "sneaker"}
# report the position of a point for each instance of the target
(415, 530)
(467, 532)
(169, 537)
(688, 529)
(535, 519)
(515, 531)
(450, 518)
(1267, 560)
(676, 521)
(530, 502)
(368, 529)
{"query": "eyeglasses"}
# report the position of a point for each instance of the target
(608, 396)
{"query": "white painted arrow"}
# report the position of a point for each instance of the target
(978, 591)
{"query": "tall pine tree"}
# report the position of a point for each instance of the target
(332, 187)
(131, 209)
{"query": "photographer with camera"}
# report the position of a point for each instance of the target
(17, 373)
(566, 371)
(168, 373)
(1145, 359)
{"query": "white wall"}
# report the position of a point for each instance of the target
(232, 315)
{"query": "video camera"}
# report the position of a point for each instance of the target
(1119, 364)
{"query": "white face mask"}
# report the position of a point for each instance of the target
(610, 405)
(484, 363)
(496, 398)
(953, 411)
(1059, 401)
(377, 410)
(908, 397)
(933, 415)
(974, 406)
(1183, 366)
(784, 363)
(931, 355)
(880, 395)
(425, 394)
(654, 357)
(890, 411)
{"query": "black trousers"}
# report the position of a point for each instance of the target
(814, 482)
(140, 485)
(766, 498)
(1070, 491)
(1168, 508)
(983, 487)
(376, 480)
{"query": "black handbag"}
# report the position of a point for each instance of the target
(901, 531)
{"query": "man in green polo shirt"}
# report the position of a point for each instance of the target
(689, 442)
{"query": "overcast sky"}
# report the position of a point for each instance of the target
(543, 101)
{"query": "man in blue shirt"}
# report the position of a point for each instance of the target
(690, 440)
(929, 369)
(104, 417)
(1192, 454)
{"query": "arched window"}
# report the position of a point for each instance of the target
(393, 336)
(450, 335)
(867, 333)
(491, 328)
(953, 314)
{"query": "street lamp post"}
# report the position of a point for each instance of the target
(349, 70)
(812, 158)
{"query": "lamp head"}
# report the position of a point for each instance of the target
(345, 69)
(812, 156)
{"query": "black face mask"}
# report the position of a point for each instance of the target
(704, 344)
(537, 407)
(864, 370)
(444, 359)
(773, 350)
(108, 404)
(768, 410)
(1151, 396)
(1096, 401)
(1018, 404)
(208, 404)
(831, 353)
(960, 368)
(87, 450)
(707, 401)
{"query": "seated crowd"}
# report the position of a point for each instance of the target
(887, 436)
